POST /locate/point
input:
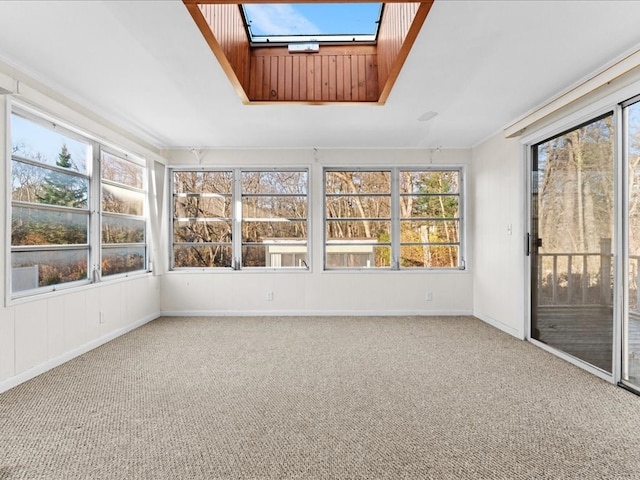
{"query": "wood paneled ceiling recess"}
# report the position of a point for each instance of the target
(346, 73)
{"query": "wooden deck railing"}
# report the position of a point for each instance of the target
(571, 279)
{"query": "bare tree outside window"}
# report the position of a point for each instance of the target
(421, 221)
(268, 229)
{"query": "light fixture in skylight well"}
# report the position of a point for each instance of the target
(323, 22)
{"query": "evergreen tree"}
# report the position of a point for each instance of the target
(61, 188)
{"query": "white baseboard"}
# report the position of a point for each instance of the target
(65, 357)
(314, 313)
(514, 332)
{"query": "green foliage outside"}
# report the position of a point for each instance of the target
(38, 226)
(433, 203)
(61, 188)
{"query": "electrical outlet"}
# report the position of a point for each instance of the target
(101, 318)
(429, 296)
(270, 296)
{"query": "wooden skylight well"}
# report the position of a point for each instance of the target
(309, 68)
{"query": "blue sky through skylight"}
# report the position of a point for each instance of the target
(313, 18)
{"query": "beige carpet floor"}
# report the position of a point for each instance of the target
(318, 398)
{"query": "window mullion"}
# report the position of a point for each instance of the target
(95, 220)
(395, 219)
(236, 247)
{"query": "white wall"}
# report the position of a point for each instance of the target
(498, 231)
(41, 332)
(499, 195)
(317, 291)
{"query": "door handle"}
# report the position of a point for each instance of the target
(530, 244)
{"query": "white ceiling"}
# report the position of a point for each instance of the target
(479, 64)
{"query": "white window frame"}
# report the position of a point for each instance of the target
(396, 220)
(140, 162)
(93, 245)
(236, 220)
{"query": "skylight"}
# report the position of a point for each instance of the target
(318, 22)
(323, 52)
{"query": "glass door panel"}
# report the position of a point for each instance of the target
(631, 333)
(571, 245)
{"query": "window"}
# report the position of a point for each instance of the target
(240, 219)
(124, 226)
(274, 219)
(49, 206)
(202, 219)
(358, 219)
(52, 205)
(392, 218)
(430, 219)
(312, 22)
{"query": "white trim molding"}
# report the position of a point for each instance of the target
(610, 72)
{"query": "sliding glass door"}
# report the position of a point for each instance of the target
(631, 323)
(571, 245)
